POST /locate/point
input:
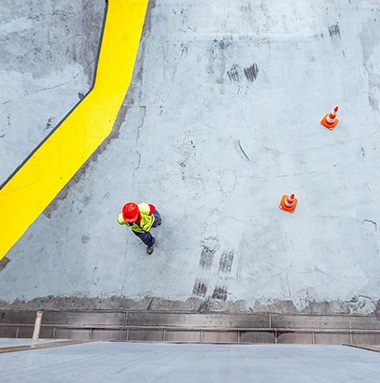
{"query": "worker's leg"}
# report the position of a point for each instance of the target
(147, 238)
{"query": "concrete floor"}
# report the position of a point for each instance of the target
(136, 362)
(48, 53)
(221, 120)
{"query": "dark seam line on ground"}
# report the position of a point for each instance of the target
(41, 346)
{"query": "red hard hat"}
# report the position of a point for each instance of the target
(130, 212)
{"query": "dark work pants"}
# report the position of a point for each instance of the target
(148, 238)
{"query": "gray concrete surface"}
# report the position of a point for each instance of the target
(48, 53)
(221, 120)
(120, 362)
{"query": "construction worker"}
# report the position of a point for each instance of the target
(141, 218)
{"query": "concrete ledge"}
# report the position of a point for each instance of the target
(193, 327)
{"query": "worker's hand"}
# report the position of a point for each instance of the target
(145, 227)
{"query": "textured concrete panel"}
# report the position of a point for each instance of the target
(310, 321)
(332, 338)
(369, 339)
(257, 337)
(146, 335)
(84, 318)
(19, 317)
(156, 319)
(219, 337)
(183, 336)
(233, 320)
(8, 332)
(295, 337)
(114, 335)
(72, 334)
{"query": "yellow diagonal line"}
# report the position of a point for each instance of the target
(24, 197)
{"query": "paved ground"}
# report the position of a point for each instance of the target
(134, 362)
(48, 53)
(222, 119)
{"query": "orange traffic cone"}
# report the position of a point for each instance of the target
(288, 203)
(330, 121)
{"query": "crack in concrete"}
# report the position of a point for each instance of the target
(370, 221)
(245, 154)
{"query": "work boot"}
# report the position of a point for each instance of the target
(150, 249)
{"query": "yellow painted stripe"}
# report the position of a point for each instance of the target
(25, 196)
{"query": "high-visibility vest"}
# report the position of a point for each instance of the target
(145, 220)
